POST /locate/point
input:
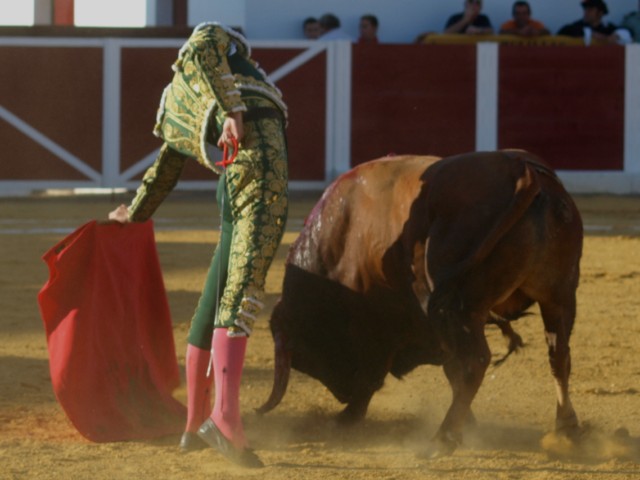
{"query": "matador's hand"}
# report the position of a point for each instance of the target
(120, 214)
(232, 128)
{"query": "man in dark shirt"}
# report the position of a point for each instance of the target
(592, 27)
(471, 21)
(631, 21)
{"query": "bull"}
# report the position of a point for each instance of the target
(404, 260)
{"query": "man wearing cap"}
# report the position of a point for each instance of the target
(631, 21)
(592, 27)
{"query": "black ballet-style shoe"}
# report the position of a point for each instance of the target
(245, 457)
(191, 442)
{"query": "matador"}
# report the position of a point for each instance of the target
(219, 94)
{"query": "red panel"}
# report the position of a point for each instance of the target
(58, 92)
(24, 159)
(63, 12)
(180, 12)
(145, 73)
(412, 99)
(304, 91)
(565, 104)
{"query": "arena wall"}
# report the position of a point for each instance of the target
(78, 112)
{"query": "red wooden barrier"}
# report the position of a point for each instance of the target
(413, 99)
(564, 103)
(58, 92)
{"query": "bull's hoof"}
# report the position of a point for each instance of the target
(567, 441)
(440, 446)
(349, 417)
(574, 431)
(570, 428)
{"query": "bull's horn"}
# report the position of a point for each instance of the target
(281, 374)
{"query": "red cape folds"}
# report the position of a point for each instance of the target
(111, 349)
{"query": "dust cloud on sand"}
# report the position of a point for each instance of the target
(514, 408)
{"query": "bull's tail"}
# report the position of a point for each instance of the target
(282, 366)
(281, 375)
(515, 340)
(526, 188)
(446, 305)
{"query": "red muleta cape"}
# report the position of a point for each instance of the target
(111, 349)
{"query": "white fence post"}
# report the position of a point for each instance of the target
(632, 109)
(487, 96)
(111, 81)
(338, 121)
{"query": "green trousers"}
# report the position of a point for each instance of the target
(253, 200)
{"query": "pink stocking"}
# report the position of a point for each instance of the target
(228, 360)
(198, 387)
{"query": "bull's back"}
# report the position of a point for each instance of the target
(358, 219)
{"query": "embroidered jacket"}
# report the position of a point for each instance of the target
(213, 72)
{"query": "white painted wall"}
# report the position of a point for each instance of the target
(400, 20)
(228, 12)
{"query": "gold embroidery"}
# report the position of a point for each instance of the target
(204, 80)
(257, 186)
(203, 89)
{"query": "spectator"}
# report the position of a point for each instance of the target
(522, 24)
(631, 22)
(368, 29)
(311, 28)
(471, 21)
(592, 27)
(330, 28)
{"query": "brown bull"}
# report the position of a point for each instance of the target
(403, 262)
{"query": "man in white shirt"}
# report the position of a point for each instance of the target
(330, 27)
(631, 21)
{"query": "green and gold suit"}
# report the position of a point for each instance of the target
(215, 75)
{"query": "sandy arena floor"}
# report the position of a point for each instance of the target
(515, 407)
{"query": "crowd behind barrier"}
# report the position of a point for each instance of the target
(593, 26)
(259, 23)
(457, 39)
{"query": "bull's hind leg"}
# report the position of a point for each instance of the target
(465, 372)
(558, 322)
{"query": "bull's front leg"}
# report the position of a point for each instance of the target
(357, 407)
(369, 378)
(465, 372)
